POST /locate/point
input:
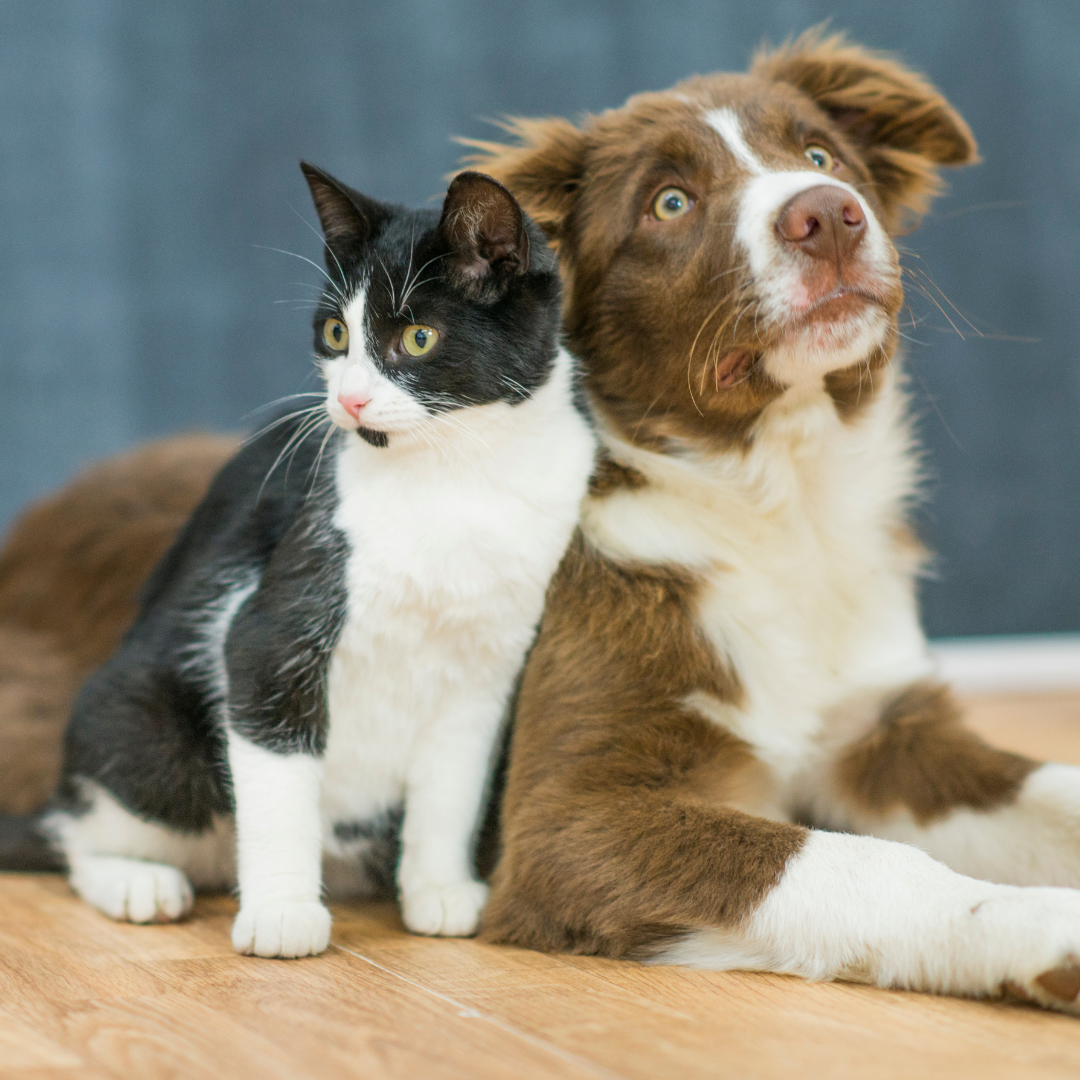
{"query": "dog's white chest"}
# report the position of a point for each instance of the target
(802, 593)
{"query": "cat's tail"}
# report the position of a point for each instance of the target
(25, 846)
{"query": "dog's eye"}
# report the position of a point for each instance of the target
(418, 340)
(820, 158)
(670, 203)
(335, 335)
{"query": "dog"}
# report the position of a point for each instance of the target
(730, 748)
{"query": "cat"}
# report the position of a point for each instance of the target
(324, 658)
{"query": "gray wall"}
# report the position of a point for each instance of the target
(147, 150)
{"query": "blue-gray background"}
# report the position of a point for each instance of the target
(147, 149)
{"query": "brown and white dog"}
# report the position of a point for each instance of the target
(730, 715)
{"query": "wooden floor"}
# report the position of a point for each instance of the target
(82, 997)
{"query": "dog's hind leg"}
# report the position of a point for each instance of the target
(919, 776)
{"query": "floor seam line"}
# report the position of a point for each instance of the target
(468, 1012)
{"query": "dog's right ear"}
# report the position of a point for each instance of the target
(543, 171)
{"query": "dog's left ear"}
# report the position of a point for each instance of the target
(904, 127)
(484, 228)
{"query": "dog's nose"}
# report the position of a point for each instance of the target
(825, 222)
(353, 403)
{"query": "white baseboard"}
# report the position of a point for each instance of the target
(1031, 662)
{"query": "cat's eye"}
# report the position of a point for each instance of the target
(820, 158)
(671, 203)
(418, 340)
(335, 335)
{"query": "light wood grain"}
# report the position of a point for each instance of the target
(82, 997)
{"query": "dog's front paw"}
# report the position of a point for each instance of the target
(1056, 988)
(281, 928)
(444, 910)
(1036, 931)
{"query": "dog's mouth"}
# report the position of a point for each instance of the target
(839, 305)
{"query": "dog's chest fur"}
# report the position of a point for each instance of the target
(450, 556)
(804, 590)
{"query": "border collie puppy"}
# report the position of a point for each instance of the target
(730, 748)
(323, 660)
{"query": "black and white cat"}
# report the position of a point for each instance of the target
(333, 639)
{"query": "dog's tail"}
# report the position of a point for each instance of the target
(25, 846)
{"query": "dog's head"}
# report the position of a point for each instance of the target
(730, 238)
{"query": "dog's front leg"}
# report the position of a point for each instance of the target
(868, 910)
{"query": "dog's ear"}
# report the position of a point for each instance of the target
(544, 170)
(904, 127)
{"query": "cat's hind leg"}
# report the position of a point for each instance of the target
(136, 870)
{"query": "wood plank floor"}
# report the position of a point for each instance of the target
(81, 996)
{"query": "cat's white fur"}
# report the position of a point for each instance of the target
(455, 530)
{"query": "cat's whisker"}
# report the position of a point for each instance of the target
(415, 283)
(303, 258)
(514, 385)
(309, 411)
(318, 460)
(457, 425)
(326, 246)
(287, 397)
(390, 284)
(309, 425)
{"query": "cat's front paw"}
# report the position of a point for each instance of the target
(444, 910)
(282, 928)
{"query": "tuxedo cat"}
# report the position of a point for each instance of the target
(323, 659)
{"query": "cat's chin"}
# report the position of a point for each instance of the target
(376, 438)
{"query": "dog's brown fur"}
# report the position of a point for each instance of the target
(921, 758)
(71, 568)
(613, 784)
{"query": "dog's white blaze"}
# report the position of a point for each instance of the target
(726, 123)
(869, 910)
(777, 272)
(390, 408)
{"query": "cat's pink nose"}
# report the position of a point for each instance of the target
(352, 403)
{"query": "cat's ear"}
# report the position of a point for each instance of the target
(544, 170)
(484, 228)
(904, 127)
(346, 216)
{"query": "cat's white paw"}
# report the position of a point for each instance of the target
(282, 928)
(132, 890)
(444, 910)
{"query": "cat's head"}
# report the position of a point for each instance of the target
(426, 312)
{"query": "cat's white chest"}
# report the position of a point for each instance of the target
(450, 557)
